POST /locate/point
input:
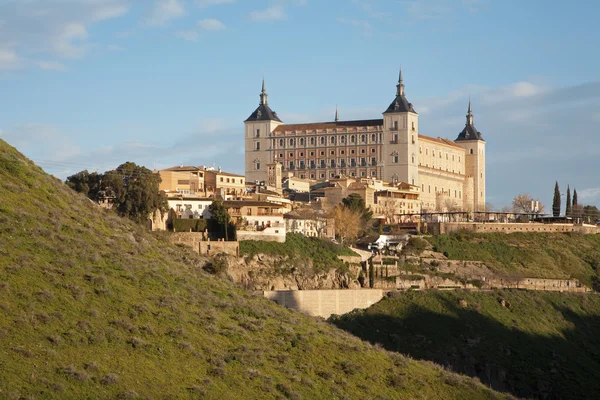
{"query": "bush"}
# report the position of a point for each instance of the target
(185, 225)
(415, 245)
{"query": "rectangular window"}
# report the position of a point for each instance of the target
(257, 145)
(258, 133)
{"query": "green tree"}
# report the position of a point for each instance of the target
(591, 214)
(86, 183)
(220, 220)
(133, 190)
(356, 203)
(568, 207)
(556, 201)
(574, 197)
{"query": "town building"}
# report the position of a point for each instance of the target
(257, 220)
(450, 174)
(182, 179)
(225, 184)
(309, 223)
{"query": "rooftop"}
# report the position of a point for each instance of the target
(329, 125)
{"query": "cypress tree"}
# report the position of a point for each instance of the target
(574, 197)
(556, 201)
(568, 209)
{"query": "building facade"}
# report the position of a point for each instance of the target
(450, 174)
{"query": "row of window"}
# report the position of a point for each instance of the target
(333, 175)
(231, 180)
(352, 162)
(457, 193)
(439, 153)
(333, 140)
(331, 153)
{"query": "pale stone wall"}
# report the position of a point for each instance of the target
(267, 235)
(448, 227)
(435, 182)
(212, 248)
(324, 303)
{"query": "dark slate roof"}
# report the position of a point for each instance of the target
(469, 133)
(263, 113)
(400, 104)
(328, 125)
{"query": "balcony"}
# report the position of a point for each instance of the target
(393, 141)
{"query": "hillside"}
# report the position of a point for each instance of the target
(531, 344)
(92, 306)
(533, 255)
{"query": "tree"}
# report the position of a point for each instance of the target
(522, 204)
(388, 208)
(220, 220)
(591, 214)
(84, 182)
(132, 188)
(556, 201)
(568, 206)
(347, 223)
(355, 202)
(574, 197)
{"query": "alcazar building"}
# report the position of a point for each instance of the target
(450, 174)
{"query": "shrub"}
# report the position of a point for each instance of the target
(185, 225)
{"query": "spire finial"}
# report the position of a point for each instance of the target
(263, 94)
(469, 114)
(400, 85)
(336, 113)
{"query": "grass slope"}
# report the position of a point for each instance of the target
(540, 345)
(536, 255)
(91, 306)
(300, 249)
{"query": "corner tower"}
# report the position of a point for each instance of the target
(401, 139)
(257, 138)
(472, 141)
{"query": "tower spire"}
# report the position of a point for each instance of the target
(400, 85)
(336, 113)
(469, 114)
(263, 94)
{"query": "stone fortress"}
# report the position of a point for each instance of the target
(450, 174)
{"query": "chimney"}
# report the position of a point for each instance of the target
(219, 169)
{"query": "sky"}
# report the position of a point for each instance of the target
(91, 84)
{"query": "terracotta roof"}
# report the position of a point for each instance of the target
(183, 168)
(328, 125)
(244, 203)
(447, 142)
(226, 174)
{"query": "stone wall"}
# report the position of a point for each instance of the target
(487, 227)
(261, 235)
(196, 240)
(324, 303)
(211, 248)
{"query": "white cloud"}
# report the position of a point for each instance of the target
(190, 35)
(51, 65)
(211, 24)
(589, 195)
(208, 3)
(273, 13)
(57, 28)
(9, 59)
(164, 11)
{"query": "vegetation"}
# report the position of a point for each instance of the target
(522, 203)
(347, 223)
(93, 306)
(220, 221)
(568, 206)
(537, 255)
(189, 224)
(132, 189)
(299, 249)
(356, 203)
(556, 201)
(532, 344)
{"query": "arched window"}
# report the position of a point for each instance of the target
(312, 141)
(342, 139)
(413, 158)
(363, 139)
(332, 140)
(471, 151)
(292, 142)
(373, 138)
(301, 141)
(322, 139)
(281, 142)
(352, 139)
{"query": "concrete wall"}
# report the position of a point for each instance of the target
(190, 239)
(324, 303)
(448, 227)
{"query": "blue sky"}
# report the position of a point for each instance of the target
(90, 84)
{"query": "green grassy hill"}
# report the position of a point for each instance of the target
(92, 306)
(537, 345)
(534, 255)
